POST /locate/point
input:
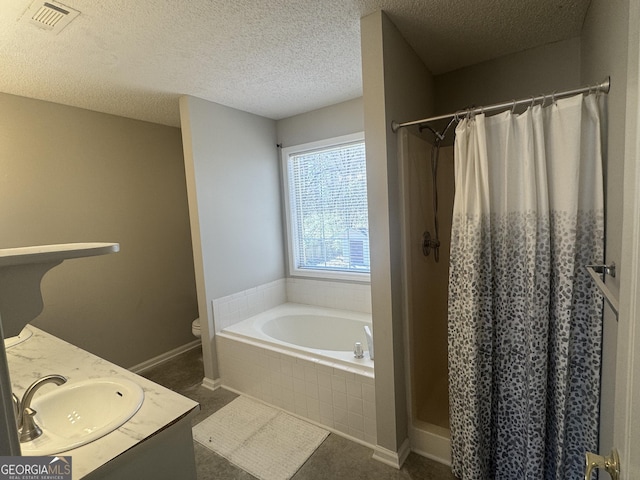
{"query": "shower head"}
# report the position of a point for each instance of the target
(440, 136)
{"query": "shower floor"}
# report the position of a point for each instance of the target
(434, 406)
(336, 458)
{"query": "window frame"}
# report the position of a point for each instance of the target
(290, 219)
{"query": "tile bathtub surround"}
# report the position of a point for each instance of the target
(234, 308)
(44, 354)
(341, 400)
(343, 296)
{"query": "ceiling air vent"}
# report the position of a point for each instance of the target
(51, 16)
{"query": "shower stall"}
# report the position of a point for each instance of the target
(426, 278)
(511, 361)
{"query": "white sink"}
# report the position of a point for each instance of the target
(75, 414)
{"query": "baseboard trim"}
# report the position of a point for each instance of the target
(152, 362)
(391, 458)
(431, 445)
(211, 384)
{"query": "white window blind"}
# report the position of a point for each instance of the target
(327, 199)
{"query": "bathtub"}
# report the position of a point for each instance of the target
(324, 335)
(300, 358)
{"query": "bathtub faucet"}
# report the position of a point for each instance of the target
(369, 335)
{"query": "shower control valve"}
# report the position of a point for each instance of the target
(428, 244)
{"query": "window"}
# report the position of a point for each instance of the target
(326, 204)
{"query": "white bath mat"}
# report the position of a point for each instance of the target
(267, 443)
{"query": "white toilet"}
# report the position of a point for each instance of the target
(195, 328)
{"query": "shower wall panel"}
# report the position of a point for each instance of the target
(429, 282)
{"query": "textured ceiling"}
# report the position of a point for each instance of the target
(275, 58)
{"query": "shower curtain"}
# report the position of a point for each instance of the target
(525, 321)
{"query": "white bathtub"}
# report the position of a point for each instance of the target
(300, 358)
(322, 335)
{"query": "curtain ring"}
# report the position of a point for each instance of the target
(544, 100)
(513, 107)
(533, 101)
(553, 98)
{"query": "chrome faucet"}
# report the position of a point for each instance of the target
(27, 427)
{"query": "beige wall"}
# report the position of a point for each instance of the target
(397, 86)
(234, 204)
(428, 279)
(545, 69)
(72, 175)
(604, 53)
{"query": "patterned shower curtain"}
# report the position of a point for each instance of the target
(525, 321)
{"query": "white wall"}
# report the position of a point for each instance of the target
(397, 86)
(627, 401)
(233, 183)
(332, 121)
(604, 53)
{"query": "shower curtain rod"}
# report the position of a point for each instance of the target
(601, 87)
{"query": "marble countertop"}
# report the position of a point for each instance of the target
(44, 354)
